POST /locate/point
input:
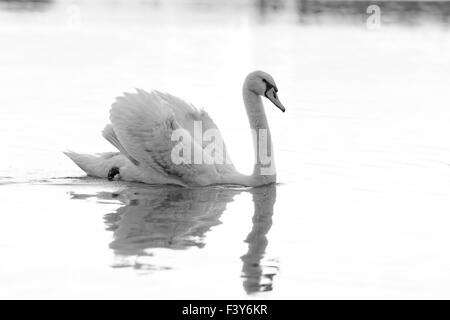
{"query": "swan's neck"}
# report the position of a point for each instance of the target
(264, 168)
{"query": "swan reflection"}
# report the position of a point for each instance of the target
(258, 276)
(179, 218)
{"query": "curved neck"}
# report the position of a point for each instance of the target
(264, 168)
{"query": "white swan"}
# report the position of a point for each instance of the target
(142, 127)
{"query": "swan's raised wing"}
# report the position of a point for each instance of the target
(144, 124)
(188, 116)
(109, 134)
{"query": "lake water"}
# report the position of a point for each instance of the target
(362, 206)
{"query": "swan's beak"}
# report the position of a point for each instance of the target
(272, 96)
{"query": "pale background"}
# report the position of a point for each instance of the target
(362, 206)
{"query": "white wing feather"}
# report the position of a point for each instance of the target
(186, 114)
(144, 122)
(109, 134)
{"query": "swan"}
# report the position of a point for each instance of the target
(142, 128)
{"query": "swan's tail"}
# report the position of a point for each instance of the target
(97, 165)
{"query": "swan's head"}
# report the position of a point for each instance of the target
(262, 83)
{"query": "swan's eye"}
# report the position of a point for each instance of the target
(269, 86)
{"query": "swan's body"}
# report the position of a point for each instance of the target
(142, 128)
